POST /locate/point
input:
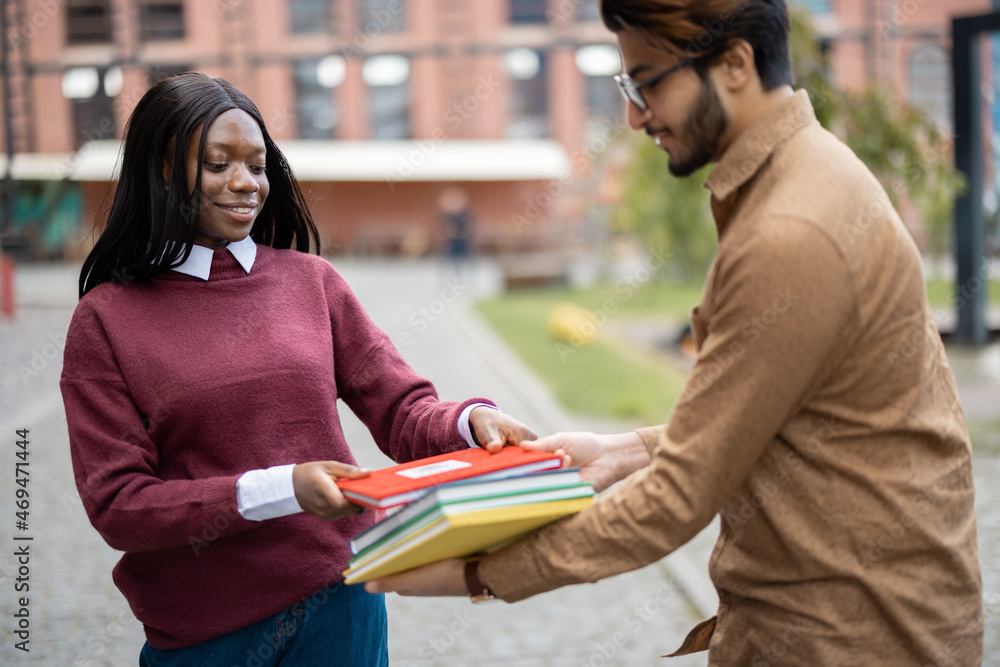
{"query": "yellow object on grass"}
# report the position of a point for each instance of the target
(572, 324)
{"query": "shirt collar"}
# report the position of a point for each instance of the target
(199, 262)
(757, 143)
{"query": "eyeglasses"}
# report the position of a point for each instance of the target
(632, 91)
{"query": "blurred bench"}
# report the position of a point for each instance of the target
(535, 269)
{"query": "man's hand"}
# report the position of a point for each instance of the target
(494, 429)
(318, 494)
(602, 459)
(443, 578)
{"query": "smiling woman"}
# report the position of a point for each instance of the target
(203, 368)
(200, 131)
(233, 178)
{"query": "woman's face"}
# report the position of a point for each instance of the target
(233, 181)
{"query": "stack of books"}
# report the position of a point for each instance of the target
(479, 505)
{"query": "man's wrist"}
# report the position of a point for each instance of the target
(478, 591)
(630, 453)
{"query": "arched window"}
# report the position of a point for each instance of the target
(159, 19)
(528, 11)
(388, 77)
(382, 16)
(92, 91)
(528, 75)
(315, 98)
(929, 87)
(88, 21)
(311, 16)
(598, 63)
(817, 7)
(587, 11)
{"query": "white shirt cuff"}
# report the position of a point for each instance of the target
(464, 428)
(267, 494)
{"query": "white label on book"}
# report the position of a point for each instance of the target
(433, 469)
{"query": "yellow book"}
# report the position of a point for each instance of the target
(464, 534)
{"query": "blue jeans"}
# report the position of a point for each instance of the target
(338, 626)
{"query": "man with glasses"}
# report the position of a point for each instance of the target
(820, 420)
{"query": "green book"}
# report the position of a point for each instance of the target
(464, 534)
(434, 512)
(463, 490)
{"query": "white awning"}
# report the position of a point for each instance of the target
(319, 160)
(38, 166)
(97, 161)
(426, 160)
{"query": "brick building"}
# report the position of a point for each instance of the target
(381, 104)
(904, 45)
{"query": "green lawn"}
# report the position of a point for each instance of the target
(985, 437)
(607, 377)
(941, 292)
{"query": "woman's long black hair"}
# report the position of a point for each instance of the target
(150, 227)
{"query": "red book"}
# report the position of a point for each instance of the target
(401, 484)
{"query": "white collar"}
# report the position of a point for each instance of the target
(199, 262)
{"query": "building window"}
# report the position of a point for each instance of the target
(316, 113)
(929, 89)
(528, 11)
(588, 11)
(160, 20)
(311, 16)
(91, 92)
(815, 7)
(88, 22)
(388, 96)
(529, 93)
(605, 108)
(379, 16)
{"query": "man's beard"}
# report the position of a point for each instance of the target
(701, 133)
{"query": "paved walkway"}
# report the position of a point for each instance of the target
(78, 618)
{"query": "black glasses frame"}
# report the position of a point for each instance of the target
(632, 91)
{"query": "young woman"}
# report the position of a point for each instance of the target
(202, 370)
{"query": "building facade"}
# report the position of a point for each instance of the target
(903, 45)
(445, 83)
(382, 104)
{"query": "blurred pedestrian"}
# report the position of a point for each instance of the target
(456, 219)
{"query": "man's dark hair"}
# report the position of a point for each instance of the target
(151, 227)
(703, 29)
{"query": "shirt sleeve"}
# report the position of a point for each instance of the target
(465, 427)
(400, 408)
(781, 316)
(267, 494)
(115, 462)
(270, 493)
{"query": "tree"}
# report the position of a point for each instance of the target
(667, 212)
(908, 155)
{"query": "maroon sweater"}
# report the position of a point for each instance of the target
(174, 387)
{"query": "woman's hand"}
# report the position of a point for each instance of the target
(317, 493)
(494, 429)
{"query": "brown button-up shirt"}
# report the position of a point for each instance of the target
(821, 422)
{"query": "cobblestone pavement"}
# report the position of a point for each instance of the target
(77, 617)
